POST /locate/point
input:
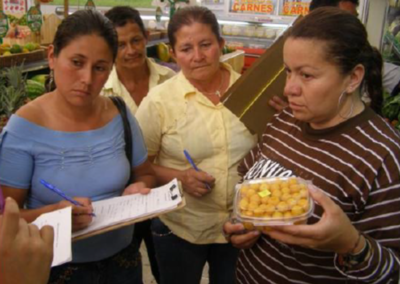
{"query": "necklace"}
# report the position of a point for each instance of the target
(217, 92)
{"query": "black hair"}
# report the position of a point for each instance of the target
(121, 15)
(329, 3)
(189, 15)
(85, 22)
(346, 46)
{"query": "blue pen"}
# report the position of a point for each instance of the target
(2, 202)
(62, 194)
(190, 160)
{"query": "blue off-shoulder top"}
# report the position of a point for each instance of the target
(83, 164)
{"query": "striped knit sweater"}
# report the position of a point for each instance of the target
(357, 164)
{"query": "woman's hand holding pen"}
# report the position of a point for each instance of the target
(81, 215)
(197, 183)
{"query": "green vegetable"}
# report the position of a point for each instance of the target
(391, 107)
(41, 78)
(29, 46)
(34, 89)
(12, 90)
(23, 21)
(16, 49)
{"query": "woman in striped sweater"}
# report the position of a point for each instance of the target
(350, 154)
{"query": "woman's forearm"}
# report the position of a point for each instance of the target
(165, 175)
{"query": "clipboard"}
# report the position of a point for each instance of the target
(175, 189)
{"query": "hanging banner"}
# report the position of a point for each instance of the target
(14, 6)
(34, 19)
(251, 7)
(294, 7)
(3, 24)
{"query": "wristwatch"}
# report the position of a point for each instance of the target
(354, 259)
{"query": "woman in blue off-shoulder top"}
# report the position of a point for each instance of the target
(74, 138)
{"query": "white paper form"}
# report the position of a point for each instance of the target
(117, 210)
(61, 221)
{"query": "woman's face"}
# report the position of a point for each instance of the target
(131, 46)
(81, 68)
(197, 51)
(313, 84)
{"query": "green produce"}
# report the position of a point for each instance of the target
(391, 107)
(29, 46)
(12, 90)
(16, 48)
(34, 89)
(23, 21)
(41, 78)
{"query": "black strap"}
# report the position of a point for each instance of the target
(121, 106)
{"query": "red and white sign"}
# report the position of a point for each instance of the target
(14, 6)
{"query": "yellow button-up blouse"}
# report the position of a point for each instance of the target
(114, 87)
(176, 116)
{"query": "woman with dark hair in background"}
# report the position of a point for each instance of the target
(74, 138)
(350, 154)
(185, 113)
(134, 74)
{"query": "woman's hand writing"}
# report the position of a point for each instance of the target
(196, 183)
(333, 232)
(81, 215)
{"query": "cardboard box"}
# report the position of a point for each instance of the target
(248, 97)
(234, 59)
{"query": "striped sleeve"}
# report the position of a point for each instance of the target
(380, 223)
(249, 160)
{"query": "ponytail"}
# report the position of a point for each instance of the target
(373, 79)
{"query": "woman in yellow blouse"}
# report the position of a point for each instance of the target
(185, 113)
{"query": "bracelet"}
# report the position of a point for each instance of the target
(356, 244)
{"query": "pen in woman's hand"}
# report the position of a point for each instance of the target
(62, 194)
(191, 162)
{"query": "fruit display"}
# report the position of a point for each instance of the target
(16, 90)
(391, 109)
(228, 49)
(163, 52)
(34, 89)
(7, 49)
(12, 92)
(262, 203)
